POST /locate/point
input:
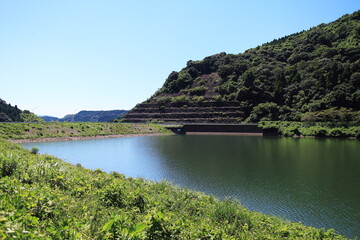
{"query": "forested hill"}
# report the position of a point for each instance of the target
(10, 113)
(313, 75)
(94, 116)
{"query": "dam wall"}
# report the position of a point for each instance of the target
(236, 129)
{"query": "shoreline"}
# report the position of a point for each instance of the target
(76, 138)
(225, 133)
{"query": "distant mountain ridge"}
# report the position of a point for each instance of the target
(50, 118)
(297, 78)
(89, 116)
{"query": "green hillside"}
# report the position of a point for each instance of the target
(94, 116)
(292, 78)
(55, 130)
(10, 113)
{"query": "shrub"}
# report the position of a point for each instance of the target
(161, 228)
(44, 208)
(163, 101)
(354, 132)
(183, 80)
(58, 180)
(264, 111)
(218, 98)
(34, 150)
(140, 203)
(225, 70)
(198, 91)
(336, 132)
(330, 115)
(314, 131)
(79, 165)
(180, 101)
(113, 196)
(321, 132)
(8, 165)
(290, 131)
(117, 228)
(227, 211)
(198, 99)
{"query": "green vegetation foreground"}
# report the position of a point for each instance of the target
(42, 197)
(312, 129)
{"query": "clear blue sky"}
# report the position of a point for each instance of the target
(62, 56)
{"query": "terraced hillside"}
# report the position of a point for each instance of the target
(195, 113)
(290, 79)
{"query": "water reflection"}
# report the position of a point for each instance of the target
(315, 181)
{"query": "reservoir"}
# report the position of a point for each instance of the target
(313, 181)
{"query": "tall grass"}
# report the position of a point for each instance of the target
(76, 129)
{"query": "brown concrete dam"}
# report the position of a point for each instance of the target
(221, 129)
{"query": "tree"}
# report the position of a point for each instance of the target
(280, 83)
(265, 111)
(247, 79)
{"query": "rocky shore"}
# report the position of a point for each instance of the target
(75, 138)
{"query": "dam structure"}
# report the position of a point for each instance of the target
(221, 129)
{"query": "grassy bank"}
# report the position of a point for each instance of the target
(315, 129)
(42, 197)
(77, 129)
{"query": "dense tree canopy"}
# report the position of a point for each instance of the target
(310, 71)
(10, 113)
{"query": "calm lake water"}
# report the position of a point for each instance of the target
(313, 181)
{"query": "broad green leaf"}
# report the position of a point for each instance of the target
(108, 225)
(137, 228)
